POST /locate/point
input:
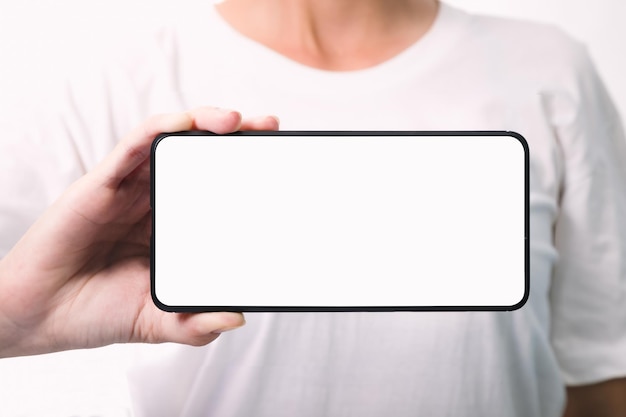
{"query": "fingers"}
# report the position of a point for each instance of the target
(135, 148)
(213, 119)
(260, 123)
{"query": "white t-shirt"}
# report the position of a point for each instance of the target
(467, 73)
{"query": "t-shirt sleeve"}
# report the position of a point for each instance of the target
(52, 141)
(588, 293)
(38, 160)
(43, 140)
(53, 135)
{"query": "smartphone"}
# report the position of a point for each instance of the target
(340, 221)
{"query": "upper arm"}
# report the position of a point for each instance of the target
(605, 399)
(589, 282)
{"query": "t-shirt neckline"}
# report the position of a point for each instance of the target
(445, 30)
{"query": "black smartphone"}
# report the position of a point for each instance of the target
(340, 221)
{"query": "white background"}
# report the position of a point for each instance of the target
(38, 40)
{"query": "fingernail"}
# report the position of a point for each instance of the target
(226, 111)
(226, 329)
(229, 328)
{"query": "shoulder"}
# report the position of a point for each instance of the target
(540, 52)
(526, 37)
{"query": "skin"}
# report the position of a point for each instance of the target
(604, 399)
(80, 276)
(356, 34)
(329, 34)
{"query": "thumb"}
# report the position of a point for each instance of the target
(195, 329)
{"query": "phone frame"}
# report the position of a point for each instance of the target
(197, 308)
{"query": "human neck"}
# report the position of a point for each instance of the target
(336, 35)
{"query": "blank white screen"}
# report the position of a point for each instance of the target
(339, 221)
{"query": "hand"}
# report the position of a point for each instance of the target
(80, 277)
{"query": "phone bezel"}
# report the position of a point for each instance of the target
(198, 308)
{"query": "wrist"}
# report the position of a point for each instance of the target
(17, 338)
